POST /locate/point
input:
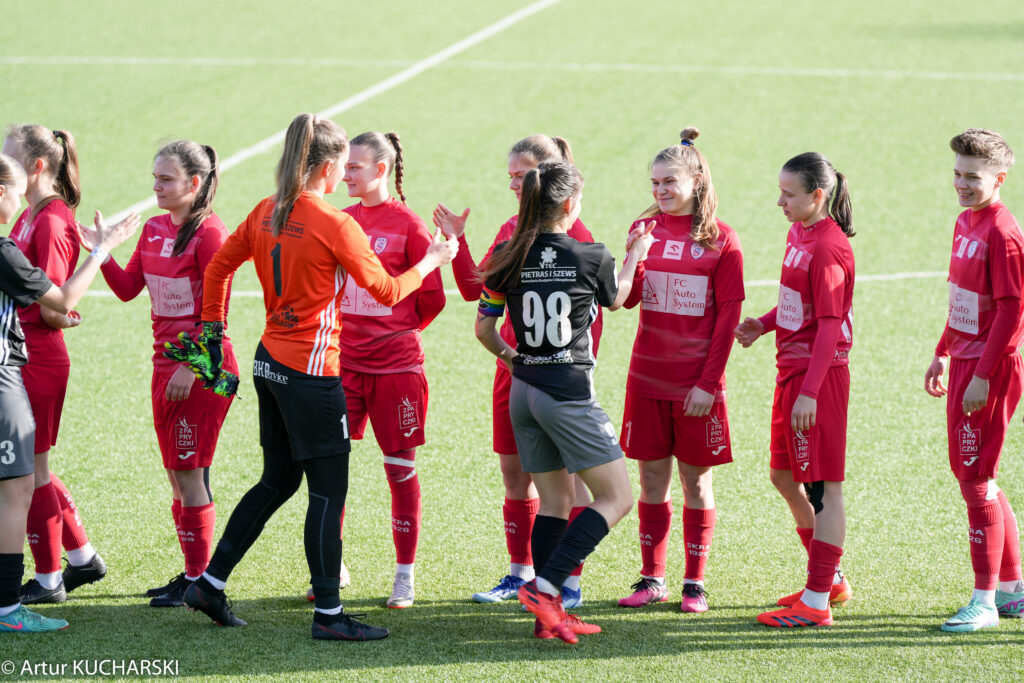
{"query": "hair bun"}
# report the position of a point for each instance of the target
(689, 133)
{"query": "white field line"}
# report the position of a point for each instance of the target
(602, 67)
(410, 72)
(882, 277)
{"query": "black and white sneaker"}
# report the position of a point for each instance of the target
(174, 597)
(202, 597)
(76, 576)
(33, 593)
(171, 585)
(343, 626)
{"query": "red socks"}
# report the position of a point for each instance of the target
(406, 510)
(805, 534)
(1009, 568)
(44, 529)
(986, 533)
(196, 536)
(176, 514)
(823, 558)
(519, 516)
(655, 523)
(698, 529)
(73, 534)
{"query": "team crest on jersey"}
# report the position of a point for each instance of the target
(696, 251)
(715, 432)
(184, 434)
(408, 417)
(547, 257)
(380, 244)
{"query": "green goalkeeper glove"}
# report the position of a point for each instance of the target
(204, 357)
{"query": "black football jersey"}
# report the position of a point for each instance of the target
(551, 305)
(21, 284)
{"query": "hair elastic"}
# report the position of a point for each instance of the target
(686, 143)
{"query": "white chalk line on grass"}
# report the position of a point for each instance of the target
(410, 72)
(599, 67)
(880, 277)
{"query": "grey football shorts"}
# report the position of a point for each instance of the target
(553, 434)
(17, 427)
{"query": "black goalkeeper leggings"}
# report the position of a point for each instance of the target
(327, 481)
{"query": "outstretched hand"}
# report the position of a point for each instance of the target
(639, 241)
(99, 234)
(748, 331)
(451, 224)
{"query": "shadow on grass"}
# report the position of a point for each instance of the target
(439, 632)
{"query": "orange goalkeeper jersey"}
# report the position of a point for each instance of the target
(303, 272)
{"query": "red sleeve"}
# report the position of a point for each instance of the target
(465, 271)
(636, 294)
(128, 282)
(727, 319)
(1004, 323)
(235, 251)
(768, 320)
(55, 251)
(941, 350)
(1005, 262)
(430, 298)
(828, 280)
(728, 277)
(823, 350)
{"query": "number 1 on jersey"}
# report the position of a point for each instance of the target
(275, 254)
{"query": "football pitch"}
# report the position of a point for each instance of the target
(878, 87)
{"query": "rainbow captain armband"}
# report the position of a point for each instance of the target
(492, 304)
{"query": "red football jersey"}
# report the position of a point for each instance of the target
(816, 282)
(682, 285)
(50, 242)
(175, 283)
(377, 338)
(986, 265)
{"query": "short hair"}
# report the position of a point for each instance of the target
(984, 144)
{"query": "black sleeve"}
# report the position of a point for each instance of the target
(607, 284)
(19, 279)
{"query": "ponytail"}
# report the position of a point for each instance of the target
(686, 159)
(816, 172)
(541, 206)
(67, 180)
(57, 148)
(309, 142)
(387, 148)
(194, 160)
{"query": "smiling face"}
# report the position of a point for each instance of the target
(976, 182)
(174, 190)
(673, 189)
(799, 205)
(518, 167)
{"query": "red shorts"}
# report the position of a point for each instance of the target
(396, 406)
(503, 438)
(818, 454)
(187, 430)
(46, 386)
(653, 429)
(976, 442)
